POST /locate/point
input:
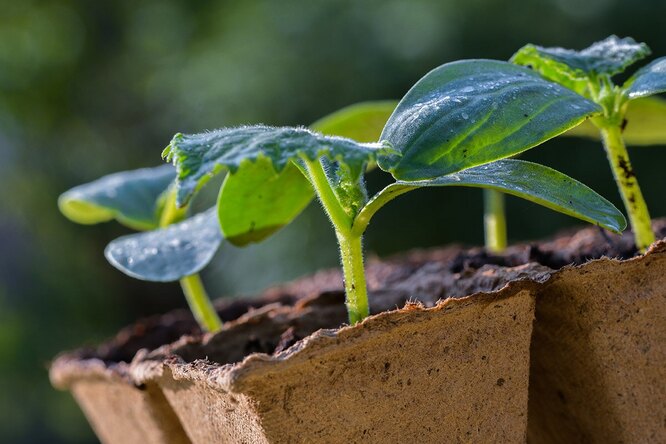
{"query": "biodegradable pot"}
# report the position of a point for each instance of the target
(599, 353)
(119, 410)
(454, 372)
(430, 372)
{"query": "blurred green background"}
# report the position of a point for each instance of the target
(88, 88)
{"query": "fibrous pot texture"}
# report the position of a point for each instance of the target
(446, 356)
(454, 371)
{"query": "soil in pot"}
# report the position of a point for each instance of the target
(599, 344)
(248, 384)
(238, 380)
(430, 372)
(118, 409)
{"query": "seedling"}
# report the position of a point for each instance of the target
(453, 128)
(171, 247)
(144, 200)
(589, 73)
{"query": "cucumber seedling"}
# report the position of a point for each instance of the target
(589, 73)
(144, 199)
(172, 246)
(455, 127)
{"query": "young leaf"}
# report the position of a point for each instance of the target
(472, 112)
(199, 156)
(131, 197)
(256, 201)
(607, 57)
(362, 122)
(530, 181)
(645, 119)
(647, 81)
(170, 253)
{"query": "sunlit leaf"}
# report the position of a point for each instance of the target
(131, 197)
(646, 123)
(256, 201)
(168, 254)
(362, 122)
(472, 112)
(649, 80)
(537, 183)
(199, 156)
(607, 57)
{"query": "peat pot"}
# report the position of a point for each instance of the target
(457, 341)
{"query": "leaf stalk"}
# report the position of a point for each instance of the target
(618, 157)
(494, 220)
(200, 303)
(193, 288)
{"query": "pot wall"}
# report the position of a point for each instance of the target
(457, 372)
(599, 354)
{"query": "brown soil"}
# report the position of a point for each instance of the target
(425, 276)
(276, 322)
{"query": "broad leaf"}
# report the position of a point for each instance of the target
(645, 123)
(199, 156)
(362, 122)
(255, 201)
(131, 197)
(530, 181)
(649, 80)
(472, 112)
(168, 254)
(607, 57)
(532, 56)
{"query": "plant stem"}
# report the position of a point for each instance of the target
(494, 220)
(351, 245)
(351, 255)
(639, 217)
(195, 293)
(339, 217)
(199, 303)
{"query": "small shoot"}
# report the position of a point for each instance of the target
(453, 128)
(590, 73)
(177, 249)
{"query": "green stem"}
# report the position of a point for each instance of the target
(494, 220)
(637, 210)
(195, 293)
(351, 255)
(378, 200)
(199, 303)
(351, 245)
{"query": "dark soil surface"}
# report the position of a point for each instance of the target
(295, 310)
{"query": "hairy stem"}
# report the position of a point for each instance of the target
(351, 255)
(351, 245)
(195, 293)
(200, 303)
(637, 210)
(494, 220)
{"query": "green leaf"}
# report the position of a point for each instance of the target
(536, 183)
(607, 57)
(168, 254)
(649, 80)
(472, 112)
(199, 156)
(131, 197)
(362, 122)
(255, 201)
(645, 117)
